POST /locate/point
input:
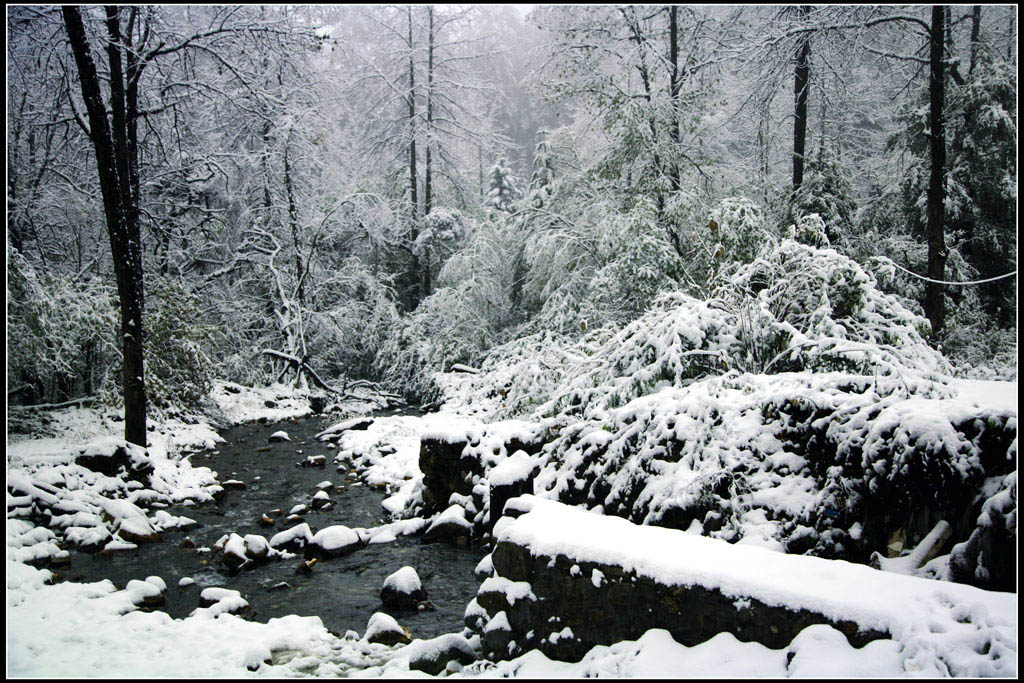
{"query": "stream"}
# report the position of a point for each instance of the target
(343, 592)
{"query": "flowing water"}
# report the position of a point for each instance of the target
(343, 592)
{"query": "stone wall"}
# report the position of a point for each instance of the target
(564, 604)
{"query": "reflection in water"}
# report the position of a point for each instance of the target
(344, 592)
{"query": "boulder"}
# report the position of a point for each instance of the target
(385, 630)
(293, 539)
(511, 478)
(333, 541)
(449, 527)
(403, 590)
(111, 456)
(432, 656)
(279, 436)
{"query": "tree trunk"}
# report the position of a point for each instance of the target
(975, 36)
(414, 266)
(934, 304)
(674, 87)
(428, 197)
(427, 189)
(293, 220)
(114, 164)
(801, 80)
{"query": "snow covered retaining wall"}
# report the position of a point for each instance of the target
(565, 579)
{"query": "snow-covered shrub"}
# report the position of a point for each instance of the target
(443, 231)
(640, 263)
(825, 191)
(503, 192)
(61, 331)
(715, 239)
(810, 230)
(178, 369)
(343, 338)
(821, 311)
(827, 463)
(543, 178)
(446, 328)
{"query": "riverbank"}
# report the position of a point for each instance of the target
(106, 628)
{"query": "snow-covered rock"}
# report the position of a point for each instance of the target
(334, 541)
(403, 590)
(384, 629)
(431, 656)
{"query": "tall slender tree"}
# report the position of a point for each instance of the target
(115, 142)
(934, 304)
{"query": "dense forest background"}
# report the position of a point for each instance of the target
(379, 193)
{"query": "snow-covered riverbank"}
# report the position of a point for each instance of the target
(71, 629)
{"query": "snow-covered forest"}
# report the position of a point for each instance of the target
(622, 340)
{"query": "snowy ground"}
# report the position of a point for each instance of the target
(94, 629)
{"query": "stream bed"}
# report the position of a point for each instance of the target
(343, 592)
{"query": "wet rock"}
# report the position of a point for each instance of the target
(293, 539)
(306, 566)
(232, 549)
(450, 527)
(187, 542)
(234, 484)
(315, 461)
(402, 590)
(317, 403)
(281, 585)
(384, 629)
(266, 521)
(445, 471)
(256, 547)
(432, 656)
(279, 436)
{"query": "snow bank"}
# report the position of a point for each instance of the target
(940, 626)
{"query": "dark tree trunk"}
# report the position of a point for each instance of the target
(675, 86)
(975, 35)
(114, 146)
(427, 189)
(414, 265)
(934, 304)
(428, 197)
(293, 221)
(802, 77)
